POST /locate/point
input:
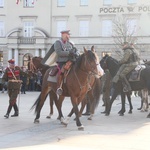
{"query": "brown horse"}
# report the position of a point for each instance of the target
(80, 78)
(34, 65)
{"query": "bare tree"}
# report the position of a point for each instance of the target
(124, 30)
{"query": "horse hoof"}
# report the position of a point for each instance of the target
(48, 117)
(138, 108)
(130, 112)
(106, 114)
(148, 116)
(81, 128)
(63, 123)
(89, 118)
(36, 121)
(121, 114)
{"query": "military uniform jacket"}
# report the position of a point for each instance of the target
(62, 49)
(8, 75)
(128, 58)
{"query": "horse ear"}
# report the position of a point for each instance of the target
(85, 50)
(92, 49)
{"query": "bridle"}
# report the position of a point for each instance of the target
(32, 66)
(92, 72)
(89, 74)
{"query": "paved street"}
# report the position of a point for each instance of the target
(130, 132)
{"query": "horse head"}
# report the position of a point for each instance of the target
(34, 64)
(90, 61)
(107, 62)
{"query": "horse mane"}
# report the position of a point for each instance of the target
(91, 56)
(112, 64)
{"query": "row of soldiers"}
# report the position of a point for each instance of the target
(16, 79)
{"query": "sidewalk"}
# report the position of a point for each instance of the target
(130, 132)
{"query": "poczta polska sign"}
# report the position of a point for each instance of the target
(137, 9)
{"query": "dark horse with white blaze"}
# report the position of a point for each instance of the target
(113, 66)
(81, 76)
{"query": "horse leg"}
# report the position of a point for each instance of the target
(75, 102)
(41, 100)
(121, 112)
(109, 105)
(51, 104)
(59, 106)
(130, 103)
(75, 109)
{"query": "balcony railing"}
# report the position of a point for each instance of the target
(26, 40)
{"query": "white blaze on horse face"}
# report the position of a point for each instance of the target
(100, 70)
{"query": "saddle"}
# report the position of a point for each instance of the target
(64, 69)
(134, 75)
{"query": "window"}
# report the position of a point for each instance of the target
(61, 3)
(131, 26)
(1, 3)
(107, 2)
(107, 28)
(83, 28)
(28, 29)
(132, 1)
(84, 2)
(2, 29)
(61, 25)
(28, 3)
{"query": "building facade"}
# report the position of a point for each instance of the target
(29, 27)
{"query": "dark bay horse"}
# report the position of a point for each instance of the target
(113, 66)
(80, 78)
(34, 65)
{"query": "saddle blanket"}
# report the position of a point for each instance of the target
(138, 67)
(52, 79)
(135, 74)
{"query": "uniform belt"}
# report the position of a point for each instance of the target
(18, 81)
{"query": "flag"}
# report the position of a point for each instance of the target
(17, 2)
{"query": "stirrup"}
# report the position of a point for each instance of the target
(126, 89)
(59, 91)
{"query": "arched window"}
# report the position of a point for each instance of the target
(26, 58)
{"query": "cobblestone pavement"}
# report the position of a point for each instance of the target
(129, 132)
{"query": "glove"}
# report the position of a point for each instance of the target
(71, 53)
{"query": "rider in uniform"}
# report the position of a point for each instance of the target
(12, 76)
(128, 63)
(64, 50)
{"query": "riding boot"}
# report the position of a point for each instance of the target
(16, 111)
(59, 84)
(126, 85)
(87, 112)
(8, 111)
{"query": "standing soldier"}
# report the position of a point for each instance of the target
(12, 76)
(106, 89)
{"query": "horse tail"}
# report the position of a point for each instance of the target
(37, 103)
(97, 92)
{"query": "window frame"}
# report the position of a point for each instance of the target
(1, 3)
(2, 28)
(107, 3)
(30, 29)
(129, 32)
(83, 2)
(131, 1)
(83, 30)
(103, 32)
(28, 3)
(61, 27)
(61, 3)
